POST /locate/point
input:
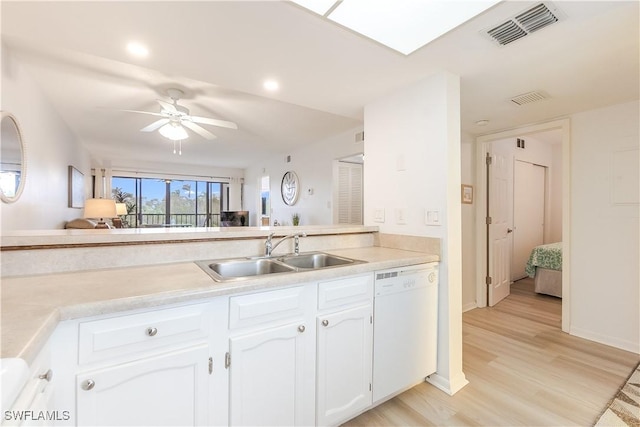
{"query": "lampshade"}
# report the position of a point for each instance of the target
(173, 131)
(99, 208)
(121, 208)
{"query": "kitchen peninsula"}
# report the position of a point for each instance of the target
(73, 276)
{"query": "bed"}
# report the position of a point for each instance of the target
(545, 267)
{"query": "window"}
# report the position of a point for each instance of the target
(153, 202)
(265, 200)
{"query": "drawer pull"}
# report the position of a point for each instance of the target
(88, 385)
(301, 328)
(46, 376)
(152, 332)
(325, 322)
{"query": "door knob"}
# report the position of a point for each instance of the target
(152, 331)
(509, 230)
(325, 322)
(301, 328)
(88, 384)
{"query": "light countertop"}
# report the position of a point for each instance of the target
(32, 306)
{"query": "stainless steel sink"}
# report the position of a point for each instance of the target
(237, 268)
(241, 268)
(315, 260)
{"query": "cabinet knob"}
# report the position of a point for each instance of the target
(152, 332)
(46, 376)
(325, 322)
(88, 385)
(301, 328)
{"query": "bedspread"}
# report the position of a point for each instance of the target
(545, 256)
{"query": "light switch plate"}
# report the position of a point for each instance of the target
(378, 215)
(401, 216)
(431, 217)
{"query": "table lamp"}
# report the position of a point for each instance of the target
(121, 209)
(100, 209)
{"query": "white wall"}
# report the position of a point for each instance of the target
(51, 148)
(313, 164)
(412, 164)
(605, 298)
(555, 185)
(468, 172)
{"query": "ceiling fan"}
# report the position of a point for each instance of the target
(176, 117)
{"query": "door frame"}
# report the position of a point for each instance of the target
(482, 144)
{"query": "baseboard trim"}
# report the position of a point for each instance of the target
(469, 306)
(450, 387)
(631, 346)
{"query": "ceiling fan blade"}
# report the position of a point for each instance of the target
(145, 112)
(155, 125)
(199, 130)
(214, 122)
(167, 106)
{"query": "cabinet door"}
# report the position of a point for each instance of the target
(344, 364)
(272, 377)
(164, 390)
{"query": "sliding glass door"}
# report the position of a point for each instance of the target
(153, 202)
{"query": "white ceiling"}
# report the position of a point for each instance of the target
(219, 53)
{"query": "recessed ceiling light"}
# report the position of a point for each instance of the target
(271, 85)
(138, 49)
(402, 25)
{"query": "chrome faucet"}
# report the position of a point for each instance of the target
(269, 246)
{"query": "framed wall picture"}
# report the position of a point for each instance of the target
(467, 194)
(76, 188)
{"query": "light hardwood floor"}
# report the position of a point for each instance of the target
(522, 370)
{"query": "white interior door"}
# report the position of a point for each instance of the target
(528, 213)
(499, 251)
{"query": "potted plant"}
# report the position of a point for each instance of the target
(295, 218)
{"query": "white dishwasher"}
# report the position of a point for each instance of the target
(405, 328)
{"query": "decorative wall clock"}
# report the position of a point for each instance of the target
(290, 188)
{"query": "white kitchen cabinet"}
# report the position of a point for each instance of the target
(33, 406)
(272, 362)
(271, 377)
(162, 366)
(344, 349)
(163, 390)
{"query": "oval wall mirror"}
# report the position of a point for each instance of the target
(13, 163)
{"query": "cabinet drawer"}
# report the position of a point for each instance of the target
(122, 335)
(350, 290)
(267, 307)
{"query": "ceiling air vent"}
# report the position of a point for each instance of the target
(529, 97)
(521, 25)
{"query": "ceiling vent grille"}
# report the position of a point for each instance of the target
(521, 25)
(529, 97)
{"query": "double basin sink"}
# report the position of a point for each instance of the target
(242, 268)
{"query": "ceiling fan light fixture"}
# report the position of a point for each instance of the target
(173, 131)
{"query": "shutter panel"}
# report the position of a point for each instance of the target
(349, 193)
